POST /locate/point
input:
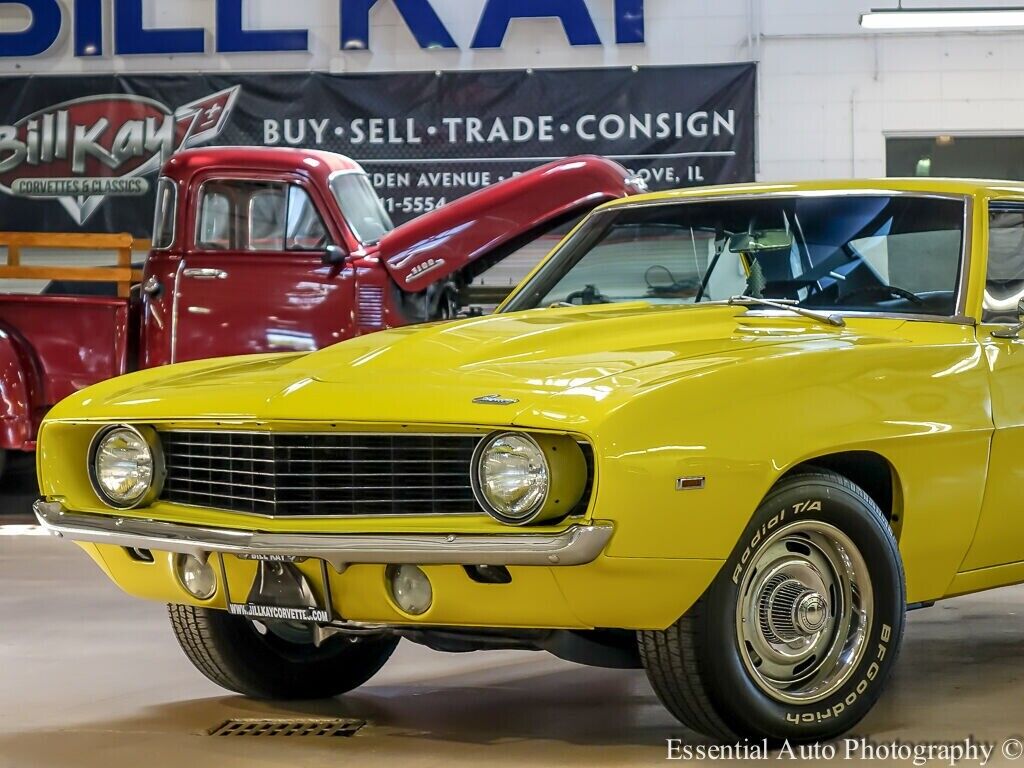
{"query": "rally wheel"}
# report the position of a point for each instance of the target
(795, 638)
(275, 662)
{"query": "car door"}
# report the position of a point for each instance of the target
(254, 279)
(1000, 535)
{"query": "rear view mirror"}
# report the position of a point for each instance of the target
(334, 254)
(757, 242)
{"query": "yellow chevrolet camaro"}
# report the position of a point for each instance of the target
(728, 435)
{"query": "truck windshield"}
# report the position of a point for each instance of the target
(874, 253)
(361, 207)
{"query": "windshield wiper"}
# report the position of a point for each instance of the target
(789, 306)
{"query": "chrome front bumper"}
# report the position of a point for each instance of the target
(577, 545)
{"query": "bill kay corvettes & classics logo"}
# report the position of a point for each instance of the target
(81, 151)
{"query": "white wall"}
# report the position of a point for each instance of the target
(678, 31)
(830, 91)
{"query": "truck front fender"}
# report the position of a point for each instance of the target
(19, 392)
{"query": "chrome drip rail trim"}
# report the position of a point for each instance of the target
(577, 545)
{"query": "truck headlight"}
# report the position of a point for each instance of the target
(126, 466)
(520, 479)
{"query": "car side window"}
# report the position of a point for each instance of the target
(1004, 284)
(239, 214)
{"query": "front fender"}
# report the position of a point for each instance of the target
(743, 418)
(19, 394)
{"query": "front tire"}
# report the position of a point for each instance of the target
(798, 633)
(235, 655)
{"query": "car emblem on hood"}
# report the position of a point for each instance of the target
(495, 400)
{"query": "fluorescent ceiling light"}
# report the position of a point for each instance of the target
(942, 18)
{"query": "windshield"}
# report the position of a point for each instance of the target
(361, 207)
(857, 253)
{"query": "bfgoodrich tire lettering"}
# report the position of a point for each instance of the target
(234, 655)
(708, 672)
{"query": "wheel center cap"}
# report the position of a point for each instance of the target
(790, 611)
(811, 613)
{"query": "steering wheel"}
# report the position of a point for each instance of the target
(589, 295)
(891, 291)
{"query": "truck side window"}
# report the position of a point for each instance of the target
(1004, 286)
(166, 213)
(306, 231)
(215, 220)
(238, 214)
(266, 219)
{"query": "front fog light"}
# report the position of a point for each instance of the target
(125, 466)
(196, 576)
(410, 588)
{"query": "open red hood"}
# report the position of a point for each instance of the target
(494, 221)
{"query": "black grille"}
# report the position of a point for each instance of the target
(320, 474)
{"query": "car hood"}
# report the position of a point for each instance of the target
(434, 373)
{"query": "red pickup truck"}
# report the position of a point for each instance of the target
(257, 250)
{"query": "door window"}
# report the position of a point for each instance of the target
(1004, 284)
(166, 211)
(306, 231)
(266, 219)
(258, 216)
(215, 226)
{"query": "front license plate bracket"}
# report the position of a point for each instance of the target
(282, 592)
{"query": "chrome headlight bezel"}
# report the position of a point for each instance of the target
(151, 440)
(479, 455)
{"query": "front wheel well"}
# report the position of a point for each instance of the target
(871, 471)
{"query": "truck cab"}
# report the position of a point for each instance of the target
(262, 250)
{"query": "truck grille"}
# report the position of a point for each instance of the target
(371, 306)
(327, 474)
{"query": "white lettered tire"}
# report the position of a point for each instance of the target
(798, 633)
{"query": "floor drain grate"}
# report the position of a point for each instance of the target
(288, 728)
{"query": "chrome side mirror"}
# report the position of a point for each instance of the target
(1013, 332)
(334, 254)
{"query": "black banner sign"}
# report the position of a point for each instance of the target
(82, 153)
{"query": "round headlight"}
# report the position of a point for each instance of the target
(124, 466)
(511, 477)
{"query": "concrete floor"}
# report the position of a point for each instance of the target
(90, 677)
